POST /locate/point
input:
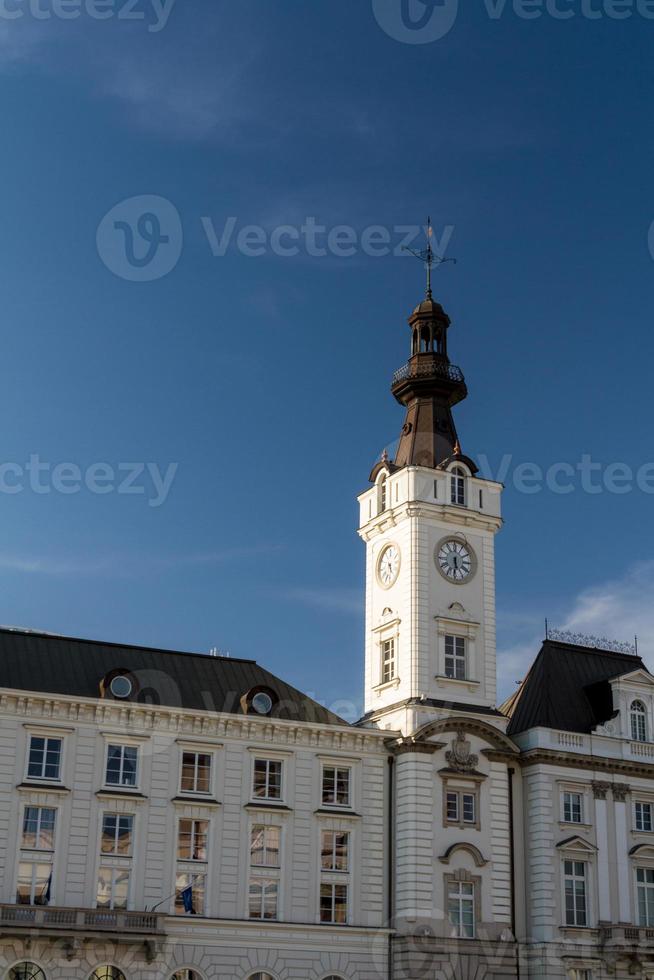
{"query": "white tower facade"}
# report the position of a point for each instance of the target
(429, 523)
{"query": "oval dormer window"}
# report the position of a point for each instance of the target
(262, 703)
(121, 686)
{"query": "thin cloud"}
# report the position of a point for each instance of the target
(335, 600)
(126, 566)
(619, 609)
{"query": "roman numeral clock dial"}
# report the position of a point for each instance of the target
(388, 566)
(455, 560)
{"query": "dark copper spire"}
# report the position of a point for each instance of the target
(428, 386)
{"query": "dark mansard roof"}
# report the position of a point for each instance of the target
(50, 664)
(568, 688)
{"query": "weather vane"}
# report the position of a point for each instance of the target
(428, 256)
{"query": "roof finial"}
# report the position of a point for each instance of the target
(457, 448)
(428, 256)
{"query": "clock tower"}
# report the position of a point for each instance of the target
(429, 523)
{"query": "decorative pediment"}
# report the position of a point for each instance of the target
(469, 726)
(642, 851)
(478, 857)
(576, 843)
(640, 677)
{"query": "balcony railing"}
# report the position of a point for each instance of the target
(428, 368)
(83, 920)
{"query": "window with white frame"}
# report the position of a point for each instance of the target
(575, 877)
(333, 903)
(265, 843)
(122, 764)
(113, 888)
(44, 759)
(196, 773)
(382, 493)
(190, 889)
(461, 908)
(38, 828)
(643, 816)
(265, 870)
(336, 786)
(455, 657)
(573, 807)
(580, 974)
(335, 850)
(117, 834)
(267, 779)
(34, 886)
(458, 487)
(192, 840)
(388, 660)
(638, 717)
(461, 807)
(645, 896)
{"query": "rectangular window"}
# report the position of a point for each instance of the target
(262, 898)
(643, 814)
(336, 786)
(333, 904)
(581, 975)
(573, 807)
(267, 779)
(576, 909)
(264, 846)
(458, 490)
(113, 888)
(38, 828)
(192, 840)
(461, 908)
(189, 893)
(196, 772)
(117, 832)
(121, 765)
(645, 890)
(334, 850)
(34, 883)
(44, 758)
(460, 807)
(455, 657)
(388, 660)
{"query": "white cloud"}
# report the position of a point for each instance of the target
(618, 609)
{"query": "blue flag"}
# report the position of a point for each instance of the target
(187, 899)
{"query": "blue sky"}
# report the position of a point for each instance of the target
(265, 379)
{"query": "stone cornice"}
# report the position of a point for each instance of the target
(47, 709)
(572, 760)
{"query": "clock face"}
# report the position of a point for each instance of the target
(455, 560)
(388, 565)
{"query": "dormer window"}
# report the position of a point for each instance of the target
(638, 717)
(458, 487)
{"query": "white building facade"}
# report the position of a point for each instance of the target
(168, 816)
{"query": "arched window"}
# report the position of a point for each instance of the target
(638, 721)
(458, 487)
(383, 495)
(186, 975)
(261, 976)
(107, 973)
(26, 971)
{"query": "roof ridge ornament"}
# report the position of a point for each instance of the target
(592, 642)
(429, 257)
